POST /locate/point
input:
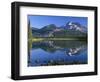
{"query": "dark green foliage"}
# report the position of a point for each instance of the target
(69, 34)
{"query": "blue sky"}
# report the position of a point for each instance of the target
(39, 21)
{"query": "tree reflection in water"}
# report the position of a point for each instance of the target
(46, 53)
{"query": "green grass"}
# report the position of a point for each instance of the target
(41, 39)
(50, 38)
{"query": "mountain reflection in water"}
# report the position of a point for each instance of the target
(48, 53)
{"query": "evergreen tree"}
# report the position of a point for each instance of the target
(29, 31)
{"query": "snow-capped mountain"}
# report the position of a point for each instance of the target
(76, 26)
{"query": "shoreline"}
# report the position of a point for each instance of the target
(43, 39)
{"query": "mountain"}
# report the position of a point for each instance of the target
(33, 28)
(76, 26)
(71, 29)
(49, 27)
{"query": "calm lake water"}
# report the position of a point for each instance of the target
(47, 53)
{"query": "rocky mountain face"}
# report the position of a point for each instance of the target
(76, 26)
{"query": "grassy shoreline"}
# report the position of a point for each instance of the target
(43, 39)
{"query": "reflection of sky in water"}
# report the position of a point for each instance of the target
(39, 56)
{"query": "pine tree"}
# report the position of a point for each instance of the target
(29, 31)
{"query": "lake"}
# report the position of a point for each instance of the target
(61, 52)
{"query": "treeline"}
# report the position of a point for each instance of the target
(70, 34)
